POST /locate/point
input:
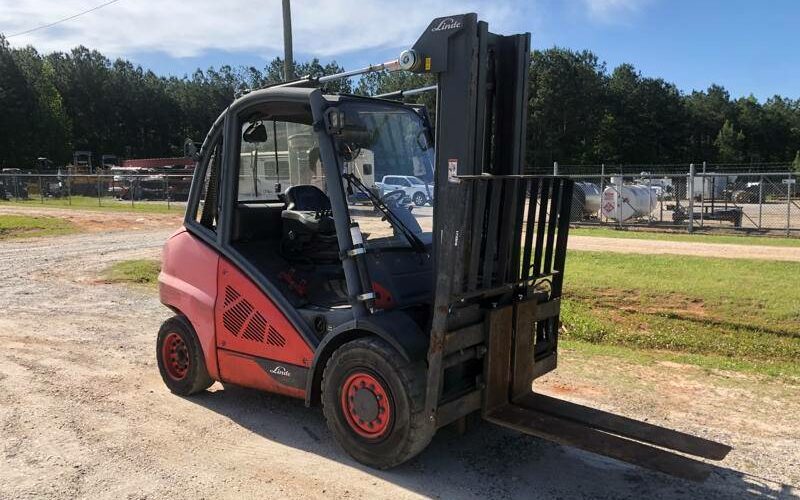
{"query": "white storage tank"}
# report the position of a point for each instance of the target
(622, 202)
(586, 200)
(591, 197)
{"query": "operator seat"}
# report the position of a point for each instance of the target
(308, 230)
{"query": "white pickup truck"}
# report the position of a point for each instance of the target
(419, 192)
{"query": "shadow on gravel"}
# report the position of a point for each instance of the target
(486, 462)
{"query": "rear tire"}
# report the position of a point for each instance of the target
(420, 199)
(180, 358)
(373, 401)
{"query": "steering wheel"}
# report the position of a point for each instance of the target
(392, 199)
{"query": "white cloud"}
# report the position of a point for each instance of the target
(614, 10)
(183, 29)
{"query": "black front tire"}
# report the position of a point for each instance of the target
(420, 199)
(409, 431)
(187, 375)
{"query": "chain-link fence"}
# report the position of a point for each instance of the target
(696, 199)
(168, 191)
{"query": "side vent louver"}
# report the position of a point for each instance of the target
(275, 338)
(230, 296)
(241, 319)
(255, 329)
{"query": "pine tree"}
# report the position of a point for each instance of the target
(730, 143)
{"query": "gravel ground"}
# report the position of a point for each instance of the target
(84, 414)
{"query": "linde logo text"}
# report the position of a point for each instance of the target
(279, 370)
(447, 24)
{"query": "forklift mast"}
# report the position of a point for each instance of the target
(486, 257)
(499, 258)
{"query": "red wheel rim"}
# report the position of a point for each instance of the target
(366, 405)
(175, 355)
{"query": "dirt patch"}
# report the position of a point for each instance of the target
(99, 221)
(633, 301)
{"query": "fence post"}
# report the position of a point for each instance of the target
(99, 202)
(649, 198)
(69, 189)
(166, 183)
(616, 185)
(555, 168)
(41, 191)
(789, 181)
(760, 200)
(690, 194)
(602, 187)
(703, 197)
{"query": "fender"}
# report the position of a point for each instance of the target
(187, 284)
(395, 327)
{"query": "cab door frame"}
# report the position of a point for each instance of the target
(227, 201)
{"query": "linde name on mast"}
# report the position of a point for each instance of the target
(447, 24)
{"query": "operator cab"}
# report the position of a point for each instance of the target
(283, 217)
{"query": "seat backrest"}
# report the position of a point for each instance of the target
(305, 197)
(252, 222)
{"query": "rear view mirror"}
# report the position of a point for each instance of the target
(256, 132)
(334, 119)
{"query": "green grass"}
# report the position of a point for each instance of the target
(139, 272)
(108, 204)
(692, 238)
(26, 226)
(736, 311)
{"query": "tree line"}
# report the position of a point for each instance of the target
(579, 112)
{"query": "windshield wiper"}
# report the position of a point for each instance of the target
(395, 221)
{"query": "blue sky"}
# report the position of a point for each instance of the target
(747, 46)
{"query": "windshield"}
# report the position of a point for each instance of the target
(388, 160)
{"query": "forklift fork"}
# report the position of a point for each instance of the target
(509, 402)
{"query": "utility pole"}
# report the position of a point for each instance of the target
(288, 59)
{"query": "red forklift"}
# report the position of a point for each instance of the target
(395, 322)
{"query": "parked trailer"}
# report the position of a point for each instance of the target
(267, 173)
(712, 187)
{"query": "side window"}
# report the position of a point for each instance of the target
(206, 210)
(275, 155)
(392, 181)
(403, 182)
